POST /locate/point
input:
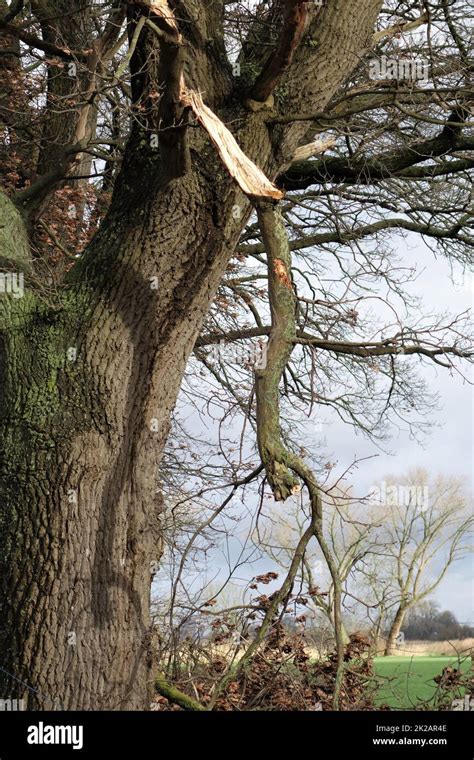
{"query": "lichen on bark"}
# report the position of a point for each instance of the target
(14, 244)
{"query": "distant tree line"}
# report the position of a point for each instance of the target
(427, 622)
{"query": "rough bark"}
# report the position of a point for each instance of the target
(81, 443)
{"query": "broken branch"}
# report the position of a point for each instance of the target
(177, 97)
(250, 177)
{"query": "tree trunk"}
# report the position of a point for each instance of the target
(390, 647)
(89, 384)
(88, 388)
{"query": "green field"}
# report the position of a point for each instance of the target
(404, 681)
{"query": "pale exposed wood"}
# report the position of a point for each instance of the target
(393, 31)
(250, 178)
(162, 9)
(313, 148)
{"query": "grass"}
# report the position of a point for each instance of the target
(405, 681)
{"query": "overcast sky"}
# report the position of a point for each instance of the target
(449, 449)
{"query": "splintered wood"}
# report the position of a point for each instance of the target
(250, 178)
(281, 272)
(313, 148)
(162, 9)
